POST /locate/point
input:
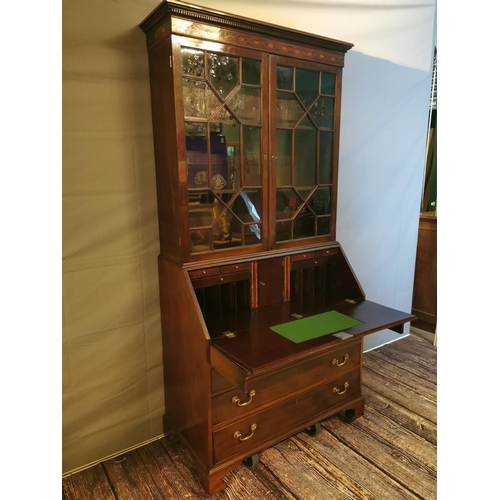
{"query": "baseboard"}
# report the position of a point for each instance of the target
(386, 343)
(91, 464)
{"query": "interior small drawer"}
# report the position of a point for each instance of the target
(327, 253)
(234, 268)
(203, 273)
(297, 378)
(302, 256)
(277, 421)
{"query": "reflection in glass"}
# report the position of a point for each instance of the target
(306, 85)
(199, 100)
(246, 105)
(253, 234)
(192, 62)
(288, 110)
(305, 154)
(223, 134)
(251, 155)
(320, 201)
(219, 174)
(236, 231)
(231, 133)
(250, 71)
(322, 112)
(304, 149)
(225, 116)
(284, 230)
(304, 193)
(327, 84)
(196, 155)
(284, 157)
(303, 224)
(325, 157)
(287, 203)
(222, 72)
(323, 225)
(200, 240)
(284, 78)
(248, 206)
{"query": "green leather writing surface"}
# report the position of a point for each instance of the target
(304, 329)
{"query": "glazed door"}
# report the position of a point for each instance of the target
(305, 118)
(224, 116)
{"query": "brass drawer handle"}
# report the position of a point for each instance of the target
(236, 399)
(337, 390)
(237, 434)
(336, 361)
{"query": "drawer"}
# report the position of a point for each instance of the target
(218, 279)
(203, 273)
(278, 421)
(298, 377)
(302, 256)
(234, 268)
(326, 253)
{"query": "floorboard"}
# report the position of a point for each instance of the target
(389, 453)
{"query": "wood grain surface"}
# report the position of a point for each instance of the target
(388, 453)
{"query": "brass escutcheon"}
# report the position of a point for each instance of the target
(236, 399)
(237, 434)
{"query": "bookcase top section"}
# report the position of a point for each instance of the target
(168, 9)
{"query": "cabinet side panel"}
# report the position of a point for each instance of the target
(165, 139)
(425, 288)
(185, 360)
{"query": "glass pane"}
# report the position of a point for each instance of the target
(320, 201)
(201, 215)
(284, 160)
(284, 230)
(235, 229)
(325, 157)
(287, 202)
(251, 155)
(305, 154)
(289, 111)
(303, 224)
(196, 155)
(246, 105)
(284, 78)
(219, 174)
(222, 72)
(248, 206)
(323, 225)
(231, 134)
(327, 84)
(322, 112)
(200, 240)
(304, 193)
(306, 85)
(250, 71)
(221, 232)
(253, 234)
(192, 62)
(199, 100)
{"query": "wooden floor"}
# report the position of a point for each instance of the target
(389, 453)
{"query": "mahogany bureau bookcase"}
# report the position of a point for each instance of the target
(262, 316)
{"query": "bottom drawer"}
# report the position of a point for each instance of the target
(277, 420)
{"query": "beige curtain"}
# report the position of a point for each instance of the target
(112, 371)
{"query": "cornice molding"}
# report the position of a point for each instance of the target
(168, 9)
